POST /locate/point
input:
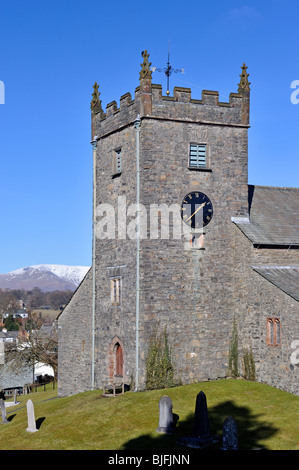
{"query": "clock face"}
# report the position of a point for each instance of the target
(196, 209)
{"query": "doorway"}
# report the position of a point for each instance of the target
(119, 360)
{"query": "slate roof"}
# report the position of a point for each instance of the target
(8, 334)
(285, 278)
(273, 216)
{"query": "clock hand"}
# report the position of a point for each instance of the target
(198, 209)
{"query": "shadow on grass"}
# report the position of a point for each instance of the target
(11, 417)
(39, 422)
(252, 430)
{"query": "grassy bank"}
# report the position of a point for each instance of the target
(266, 418)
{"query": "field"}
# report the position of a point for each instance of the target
(267, 418)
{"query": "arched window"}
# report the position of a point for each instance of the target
(273, 331)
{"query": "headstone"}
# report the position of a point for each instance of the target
(3, 411)
(166, 425)
(31, 417)
(201, 418)
(201, 437)
(230, 434)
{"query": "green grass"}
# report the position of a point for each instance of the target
(266, 418)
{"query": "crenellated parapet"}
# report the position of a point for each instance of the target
(149, 102)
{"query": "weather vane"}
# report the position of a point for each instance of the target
(167, 70)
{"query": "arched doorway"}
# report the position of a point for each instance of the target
(116, 358)
(119, 360)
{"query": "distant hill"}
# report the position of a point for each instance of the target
(47, 277)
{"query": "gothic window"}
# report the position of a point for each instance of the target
(115, 288)
(198, 156)
(273, 331)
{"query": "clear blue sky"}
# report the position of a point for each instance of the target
(51, 53)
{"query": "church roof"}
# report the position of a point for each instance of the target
(285, 278)
(273, 216)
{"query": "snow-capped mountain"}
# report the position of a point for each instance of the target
(47, 277)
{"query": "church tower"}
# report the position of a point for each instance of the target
(170, 175)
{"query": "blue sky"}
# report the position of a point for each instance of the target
(51, 53)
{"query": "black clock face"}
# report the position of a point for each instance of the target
(196, 209)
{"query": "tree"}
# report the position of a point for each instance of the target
(8, 303)
(11, 324)
(39, 346)
(233, 361)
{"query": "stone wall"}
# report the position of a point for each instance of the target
(188, 290)
(255, 300)
(75, 341)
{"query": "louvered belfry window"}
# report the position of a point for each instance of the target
(197, 156)
(118, 161)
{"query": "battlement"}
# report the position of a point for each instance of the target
(149, 102)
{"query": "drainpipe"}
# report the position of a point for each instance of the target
(94, 155)
(137, 127)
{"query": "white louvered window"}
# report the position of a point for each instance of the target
(198, 156)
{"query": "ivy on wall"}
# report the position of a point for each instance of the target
(247, 361)
(159, 367)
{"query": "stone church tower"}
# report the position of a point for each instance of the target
(183, 161)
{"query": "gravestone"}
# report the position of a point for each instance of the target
(166, 425)
(201, 417)
(3, 411)
(201, 427)
(230, 434)
(31, 417)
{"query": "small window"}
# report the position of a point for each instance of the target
(198, 156)
(197, 241)
(273, 331)
(116, 169)
(115, 286)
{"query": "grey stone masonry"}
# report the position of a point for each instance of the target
(142, 149)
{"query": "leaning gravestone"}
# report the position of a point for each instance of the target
(31, 417)
(3, 411)
(230, 434)
(166, 425)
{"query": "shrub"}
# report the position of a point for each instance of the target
(159, 368)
